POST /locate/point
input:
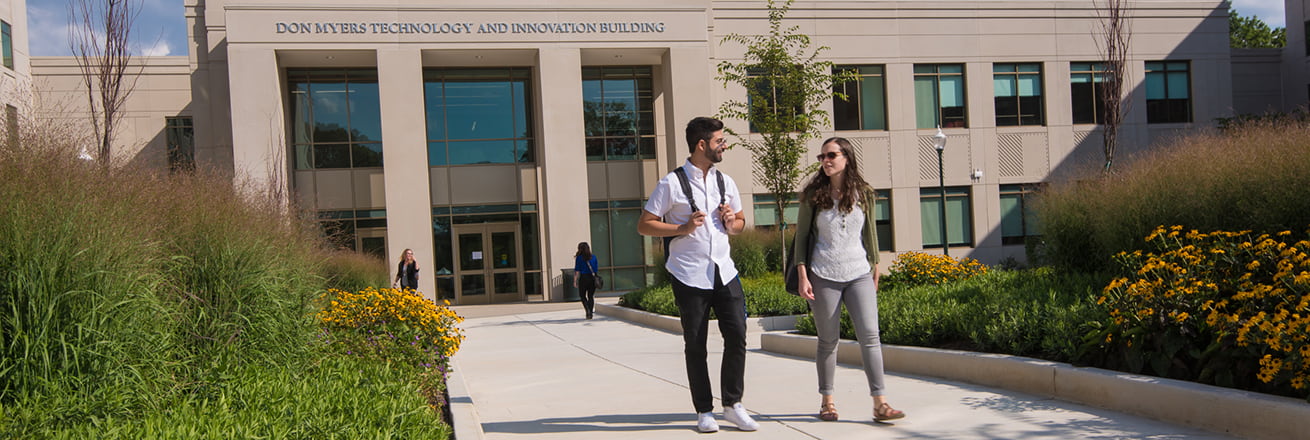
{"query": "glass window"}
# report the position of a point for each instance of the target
(1018, 91)
(618, 107)
(619, 249)
(882, 213)
(1168, 92)
(770, 101)
(1085, 83)
(959, 222)
(7, 43)
(478, 116)
(1018, 221)
(336, 119)
(766, 212)
(865, 107)
(181, 144)
(341, 228)
(939, 95)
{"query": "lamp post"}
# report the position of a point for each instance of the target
(939, 142)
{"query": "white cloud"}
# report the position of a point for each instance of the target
(159, 49)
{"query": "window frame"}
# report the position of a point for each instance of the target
(7, 44)
(601, 143)
(956, 193)
(939, 112)
(180, 143)
(855, 101)
(1097, 73)
(1016, 75)
(1027, 220)
(1169, 109)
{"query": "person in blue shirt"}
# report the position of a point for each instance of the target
(584, 277)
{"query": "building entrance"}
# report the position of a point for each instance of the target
(487, 264)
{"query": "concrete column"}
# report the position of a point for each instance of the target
(689, 95)
(564, 216)
(259, 151)
(405, 163)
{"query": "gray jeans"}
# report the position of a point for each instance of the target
(861, 299)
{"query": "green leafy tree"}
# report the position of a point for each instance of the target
(1252, 33)
(785, 85)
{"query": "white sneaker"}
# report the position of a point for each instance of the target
(738, 416)
(705, 422)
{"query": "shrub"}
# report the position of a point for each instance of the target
(1253, 177)
(1228, 308)
(391, 325)
(756, 252)
(764, 297)
(1029, 312)
(353, 271)
(918, 269)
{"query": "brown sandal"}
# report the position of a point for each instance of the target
(886, 412)
(828, 412)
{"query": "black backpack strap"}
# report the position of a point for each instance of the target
(691, 199)
(723, 198)
(686, 187)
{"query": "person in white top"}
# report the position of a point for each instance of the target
(701, 269)
(840, 265)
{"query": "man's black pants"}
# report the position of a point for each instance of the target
(729, 305)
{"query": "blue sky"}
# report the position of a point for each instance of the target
(161, 27)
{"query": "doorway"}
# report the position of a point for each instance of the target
(487, 263)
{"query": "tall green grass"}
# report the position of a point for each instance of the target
(1251, 177)
(135, 304)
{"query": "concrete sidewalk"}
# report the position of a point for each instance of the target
(541, 371)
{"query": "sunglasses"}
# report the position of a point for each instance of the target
(829, 155)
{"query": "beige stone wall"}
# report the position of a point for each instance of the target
(16, 83)
(162, 89)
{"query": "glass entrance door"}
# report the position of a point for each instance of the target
(487, 263)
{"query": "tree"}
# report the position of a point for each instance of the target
(785, 85)
(1252, 33)
(99, 39)
(1115, 36)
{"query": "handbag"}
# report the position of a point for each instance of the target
(790, 278)
(596, 279)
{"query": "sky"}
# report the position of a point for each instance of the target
(161, 26)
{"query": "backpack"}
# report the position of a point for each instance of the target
(686, 191)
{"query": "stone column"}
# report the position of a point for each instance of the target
(564, 216)
(405, 163)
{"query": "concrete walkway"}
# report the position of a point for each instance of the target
(541, 371)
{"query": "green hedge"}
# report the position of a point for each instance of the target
(764, 297)
(1033, 312)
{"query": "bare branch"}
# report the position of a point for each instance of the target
(100, 42)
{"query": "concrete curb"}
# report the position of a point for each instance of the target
(672, 324)
(463, 415)
(1234, 412)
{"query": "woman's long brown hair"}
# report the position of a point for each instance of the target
(817, 191)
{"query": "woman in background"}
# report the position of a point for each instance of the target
(406, 272)
(584, 277)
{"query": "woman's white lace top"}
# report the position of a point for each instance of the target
(838, 253)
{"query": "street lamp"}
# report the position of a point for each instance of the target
(939, 142)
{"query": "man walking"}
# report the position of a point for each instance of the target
(701, 268)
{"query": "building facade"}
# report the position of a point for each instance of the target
(15, 68)
(492, 138)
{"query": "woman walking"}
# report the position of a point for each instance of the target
(836, 253)
(584, 277)
(406, 272)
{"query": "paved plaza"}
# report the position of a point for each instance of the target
(542, 371)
